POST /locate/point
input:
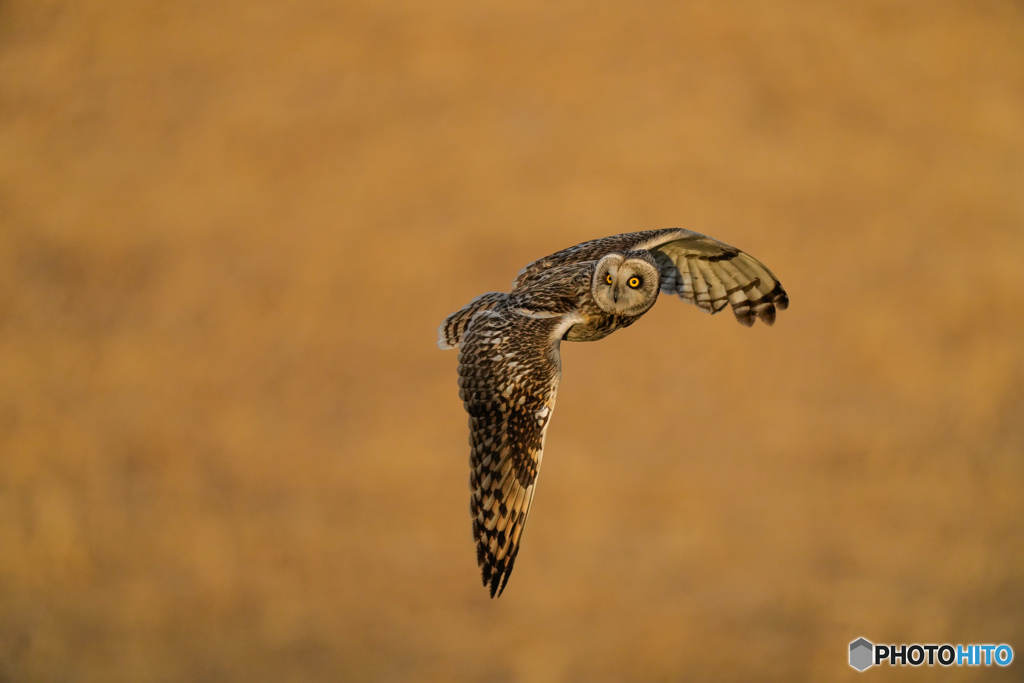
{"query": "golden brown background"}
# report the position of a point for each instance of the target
(230, 449)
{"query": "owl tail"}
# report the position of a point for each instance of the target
(449, 335)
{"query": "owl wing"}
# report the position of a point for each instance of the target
(509, 369)
(711, 274)
(700, 270)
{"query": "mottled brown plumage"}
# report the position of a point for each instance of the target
(509, 362)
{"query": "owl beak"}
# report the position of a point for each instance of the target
(615, 294)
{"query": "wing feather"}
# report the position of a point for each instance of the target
(719, 275)
(509, 369)
(701, 291)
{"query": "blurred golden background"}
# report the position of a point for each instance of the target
(230, 449)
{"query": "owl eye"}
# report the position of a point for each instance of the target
(608, 278)
(634, 282)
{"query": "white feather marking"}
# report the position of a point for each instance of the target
(537, 315)
(664, 240)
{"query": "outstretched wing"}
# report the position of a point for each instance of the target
(700, 270)
(710, 274)
(509, 369)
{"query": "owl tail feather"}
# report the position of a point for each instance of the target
(449, 335)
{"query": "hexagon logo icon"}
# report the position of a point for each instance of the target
(861, 651)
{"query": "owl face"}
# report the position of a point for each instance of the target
(625, 284)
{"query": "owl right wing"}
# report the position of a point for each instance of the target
(509, 369)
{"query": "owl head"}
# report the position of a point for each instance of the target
(626, 283)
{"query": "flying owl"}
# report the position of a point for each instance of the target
(509, 362)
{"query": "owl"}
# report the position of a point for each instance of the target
(509, 353)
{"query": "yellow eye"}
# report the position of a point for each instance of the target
(608, 278)
(634, 282)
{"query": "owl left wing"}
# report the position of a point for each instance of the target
(509, 369)
(711, 274)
